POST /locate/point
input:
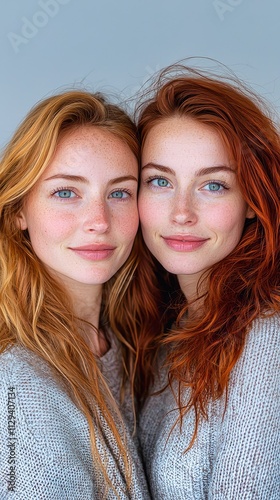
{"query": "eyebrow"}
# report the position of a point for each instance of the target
(202, 171)
(84, 180)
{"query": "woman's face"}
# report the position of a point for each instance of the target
(82, 214)
(191, 209)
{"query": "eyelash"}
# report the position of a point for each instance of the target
(121, 190)
(155, 177)
(222, 184)
(57, 190)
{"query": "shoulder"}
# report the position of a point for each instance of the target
(262, 347)
(266, 328)
(254, 386)
(246, 440)
(257, 371)
(24, 370)
(50, 433)
(40, 395)
(19, 363)
(253, 395)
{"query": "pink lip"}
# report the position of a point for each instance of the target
(94, 252)
(184, 243)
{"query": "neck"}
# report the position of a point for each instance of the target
(86, 301)
(193, 289)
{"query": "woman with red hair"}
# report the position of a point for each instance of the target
(68, 220)
(209, 209)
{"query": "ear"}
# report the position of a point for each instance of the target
(21, 221)
(250, 213)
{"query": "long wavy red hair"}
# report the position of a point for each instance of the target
(35, 309)
(245, 284)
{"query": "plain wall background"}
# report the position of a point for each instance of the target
(115, 45)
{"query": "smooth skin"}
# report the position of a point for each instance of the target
(191, 208)
(82, 215)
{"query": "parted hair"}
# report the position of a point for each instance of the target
(245, 284)
(35, 311)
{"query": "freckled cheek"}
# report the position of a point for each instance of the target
(148, 211)
(128, 226)
(225, 220)
(123, 219)
(57, 226)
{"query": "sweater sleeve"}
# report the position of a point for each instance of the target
(40, 444)
(247, 454)
(45, 450)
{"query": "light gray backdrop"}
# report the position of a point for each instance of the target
(115, 45)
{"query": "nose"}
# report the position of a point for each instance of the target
(184, 211)
(96, 217)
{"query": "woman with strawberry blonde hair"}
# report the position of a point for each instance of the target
(210, 215)
(68, 219)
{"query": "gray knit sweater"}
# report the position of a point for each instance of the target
(235, 457)
(44, 439)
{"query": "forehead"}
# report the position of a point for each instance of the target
(91, 143)
(89, 135)
(177, 127)
(185, 138)
(90, 151)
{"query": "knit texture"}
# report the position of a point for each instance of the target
(44, 437)
(234, 457)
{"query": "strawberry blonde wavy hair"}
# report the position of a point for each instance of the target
(245, 284)
(35, 311)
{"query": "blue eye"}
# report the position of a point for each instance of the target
(64, 193)
(119, 194)
(159, 182)
(214, 186)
